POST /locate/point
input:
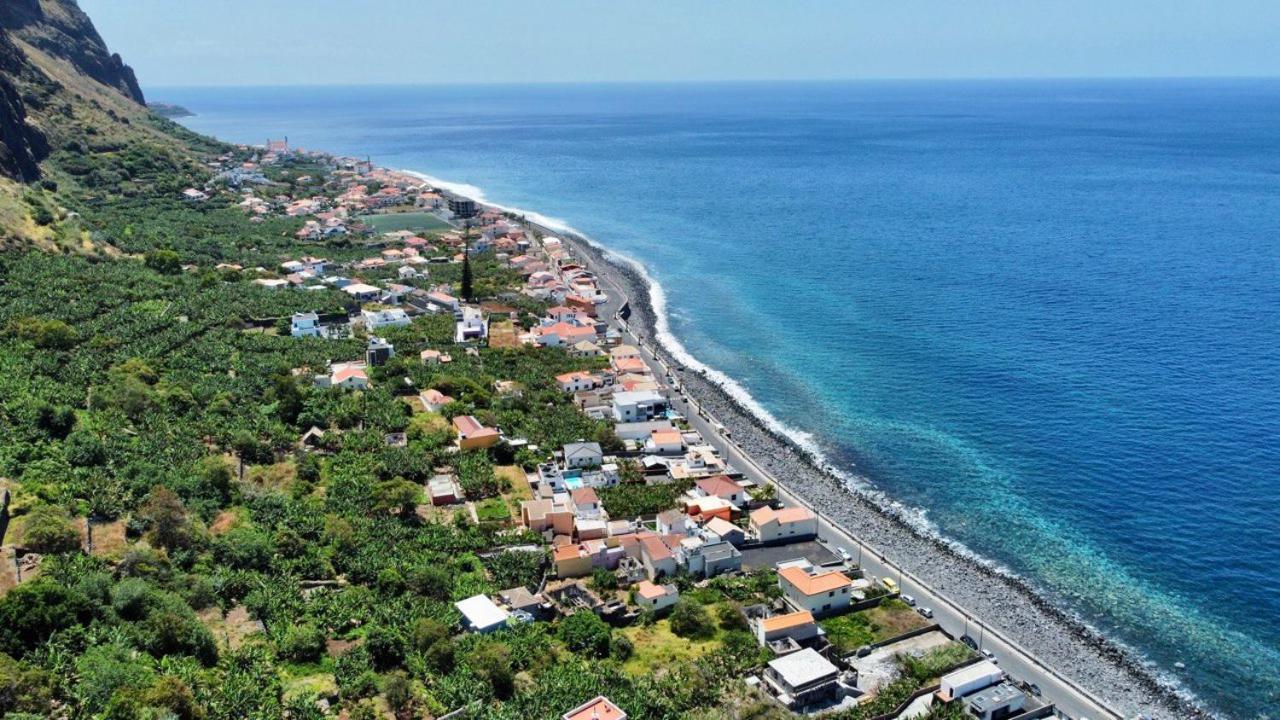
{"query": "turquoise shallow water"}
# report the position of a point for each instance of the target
(1047, 315)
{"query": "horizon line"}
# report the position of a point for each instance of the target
(738, 81)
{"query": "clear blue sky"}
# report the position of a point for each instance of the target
(294, 42)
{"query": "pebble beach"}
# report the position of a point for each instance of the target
(1064, 641)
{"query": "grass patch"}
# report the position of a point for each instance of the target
(395, 222)
(656, 646)
(891, 619)
(493, 510)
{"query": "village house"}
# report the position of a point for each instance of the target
(444, 490)
(798, 626)
(433, 357)
(362, 292)
(554, 513)
(471, 326)
(638, 406)
(656, 598)
(785, 525)
(473, 435)
(821, 592)
(708, 559)
(705, 507)
(802, 678)
(434, 400)
(665, 442)
(482, 615)
(721, 487)
(375, 320)
(657, 557)
(586, 349)
(720, 529)
(442, 301)
(599, 708)
(674, 522)
(378, 352)
(348, 376)
(305, 325)
(576, 381)
(581, 559)
(583, 454)
(563, 334)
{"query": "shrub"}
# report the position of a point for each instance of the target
(48, 530)
(303, 643)
(690, 620)
(585, 633)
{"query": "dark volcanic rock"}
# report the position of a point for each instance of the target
(22, 146)
(61, 29)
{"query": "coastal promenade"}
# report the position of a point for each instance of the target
(1071, 699)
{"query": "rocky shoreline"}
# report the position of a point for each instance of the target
(1051, 633)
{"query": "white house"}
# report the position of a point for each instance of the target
(656, 597)
(443, 301)
(583, 454)
(481, 614)
(471, 326)
(719, 528)
(668, 441)
(798, 626)
(802, 678)
(674, 522)
(305, 325)
(348, 376)
(721, 487)
(792, 523)
(970, 679)
(362, 291)
(576, 381)
(378, 319)
(819, 593)
(638, 406)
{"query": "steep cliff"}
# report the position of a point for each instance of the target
(62, 30)
(46, 45)
(23, 146)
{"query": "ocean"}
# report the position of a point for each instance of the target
(1044, 316)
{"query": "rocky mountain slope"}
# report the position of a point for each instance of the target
(40, 40)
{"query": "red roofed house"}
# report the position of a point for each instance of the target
(562, 333)
(349, 377)
(798, 626)
(433, 399)
(822, 592)
(598, 709)
(576, 381)
(787, 524)
(472, 435)
(656, 597)
(656, 556)
(722, 487)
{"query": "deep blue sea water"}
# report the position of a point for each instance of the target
(1046, 314)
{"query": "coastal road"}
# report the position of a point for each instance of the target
(1071, 700)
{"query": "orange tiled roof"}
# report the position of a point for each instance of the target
(814, 584)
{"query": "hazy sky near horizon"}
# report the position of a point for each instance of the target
(302, 42)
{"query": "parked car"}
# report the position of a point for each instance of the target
(909, 600)
(927, 612)
(968, 640)
(990, 656)
(845, 555)
(889, 584)
(1035, 689)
